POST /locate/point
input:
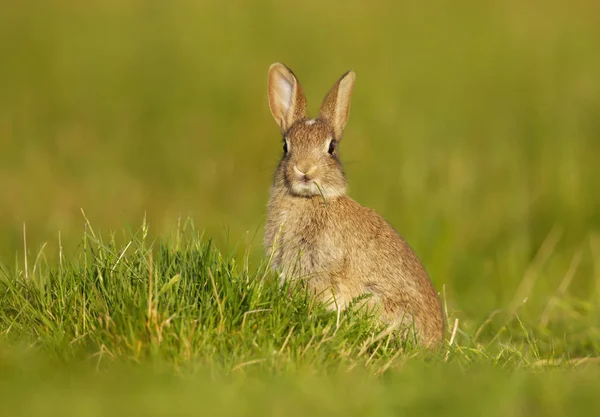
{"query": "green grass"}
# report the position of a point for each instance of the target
(177, 327)
(416, 390)
(474, 130)
(179, 303)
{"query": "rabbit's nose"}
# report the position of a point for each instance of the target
(304, 170)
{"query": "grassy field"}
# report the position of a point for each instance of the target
(474, 130)
(178, 328)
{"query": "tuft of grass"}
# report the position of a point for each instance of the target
(181, 300)
(182, 303)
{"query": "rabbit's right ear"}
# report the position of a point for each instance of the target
(286, 98)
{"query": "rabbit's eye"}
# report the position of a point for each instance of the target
(331, 147)
(285, 146)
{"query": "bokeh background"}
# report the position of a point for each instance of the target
(475, 127)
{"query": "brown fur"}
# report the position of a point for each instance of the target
(318, 233)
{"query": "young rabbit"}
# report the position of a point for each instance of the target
(316, 232)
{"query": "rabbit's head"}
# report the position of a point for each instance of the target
(309, 165)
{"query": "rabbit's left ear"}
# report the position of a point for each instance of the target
(286, 98)
(335, 108)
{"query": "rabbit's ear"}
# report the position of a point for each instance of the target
(286, 98)
(336, 105)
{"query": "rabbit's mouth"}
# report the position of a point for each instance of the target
(313, 188)
(305, 187)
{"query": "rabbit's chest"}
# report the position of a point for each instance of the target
(307, 245)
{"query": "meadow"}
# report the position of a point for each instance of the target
(136, 154)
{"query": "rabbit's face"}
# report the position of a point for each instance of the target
(310, 164)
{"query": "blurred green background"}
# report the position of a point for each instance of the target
(475, 126)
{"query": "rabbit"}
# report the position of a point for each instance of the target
(316, 232)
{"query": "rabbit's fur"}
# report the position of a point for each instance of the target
(316, 232)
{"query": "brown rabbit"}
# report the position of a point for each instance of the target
(316, 232)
